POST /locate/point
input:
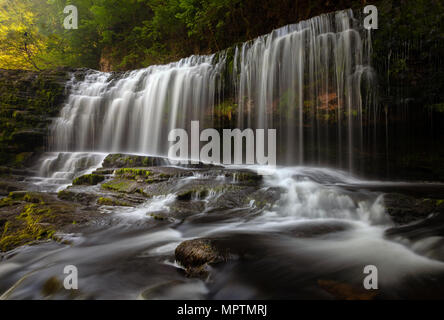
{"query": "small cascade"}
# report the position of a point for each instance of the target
(58, 169)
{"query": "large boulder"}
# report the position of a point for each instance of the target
(195, 255)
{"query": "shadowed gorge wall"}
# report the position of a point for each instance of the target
(28, 101)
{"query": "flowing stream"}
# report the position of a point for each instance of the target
(325, 226)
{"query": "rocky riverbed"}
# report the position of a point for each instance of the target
(140, 227)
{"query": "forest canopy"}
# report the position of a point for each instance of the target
(128, 34)
(115, 35)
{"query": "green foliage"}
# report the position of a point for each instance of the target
(226, 109)
(129, 34)
(407, 51)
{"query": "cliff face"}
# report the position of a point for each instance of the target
(28, 100)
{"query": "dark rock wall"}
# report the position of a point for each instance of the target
(28, 101)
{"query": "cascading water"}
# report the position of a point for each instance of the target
(134, 113)
(303, 80)
(312, 82)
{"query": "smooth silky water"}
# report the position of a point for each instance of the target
(318, 230)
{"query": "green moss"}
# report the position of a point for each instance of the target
(111, 202)
(16, 197)
(33, 198)
(133, 174)
(439, 202)
(65, 195)
(118, 185)
(7, 202)
(129, 161)
(88, 179)
(31, 225)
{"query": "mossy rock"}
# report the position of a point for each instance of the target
(131, 161)
(51, 286)
(112, 202)
(120, 185)
(27, 217)
(31, 197)
(88, 179)
(32, 224)
(133, 174)
(73, 196)
(247, 177)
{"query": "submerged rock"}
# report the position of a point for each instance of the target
(51, 286)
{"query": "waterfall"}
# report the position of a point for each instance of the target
(311, 81)
(305, 78)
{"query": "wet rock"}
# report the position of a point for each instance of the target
(29, 138)
(313, 229)
(121, 185)
(175, 289)
(88, 179)
(7, 186)
(31, 216)
(81, 196)
(131, 161)
(430, 227)
(28, 100)
(232, 196)
(104, 171)
(193, 194)
(195, 255)
(247, 176)
(181, 209)
(404, 209)
(265, 197)
(51, 286)
(199, 165)
(112, 202)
